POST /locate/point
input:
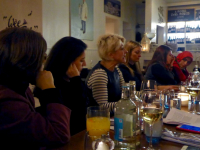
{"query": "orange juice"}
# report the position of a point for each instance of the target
(98, 125)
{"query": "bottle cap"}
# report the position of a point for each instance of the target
(132, 82)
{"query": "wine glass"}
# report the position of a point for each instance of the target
(151, 110)
(146, 85)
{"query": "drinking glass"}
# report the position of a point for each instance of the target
(146, 85)
(98, 121)
(151, 110)
(175, 101)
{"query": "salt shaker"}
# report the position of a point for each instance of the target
(104, 143)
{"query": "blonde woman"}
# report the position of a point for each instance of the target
(131, 68)
(105, 79)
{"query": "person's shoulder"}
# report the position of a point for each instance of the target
(122, 67)
(157, 66)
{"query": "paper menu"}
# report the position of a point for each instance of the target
(176, 116)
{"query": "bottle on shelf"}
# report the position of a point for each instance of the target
(176, 40)
(188, 41)
(125, 120)
(172, 29)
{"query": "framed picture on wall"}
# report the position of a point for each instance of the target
(197, 14)
(81, 16)
(112, 7)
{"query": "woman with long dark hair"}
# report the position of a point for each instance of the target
(159, 68)
(22, 53)
(65, 62)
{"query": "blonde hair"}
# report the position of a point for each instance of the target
(108, 43)
(130, 46)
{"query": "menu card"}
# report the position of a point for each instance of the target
(176, 116)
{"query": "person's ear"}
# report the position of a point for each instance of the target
(111, 55)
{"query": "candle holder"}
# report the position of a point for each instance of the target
(145, 43)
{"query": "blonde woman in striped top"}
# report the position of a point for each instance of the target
(105, 79)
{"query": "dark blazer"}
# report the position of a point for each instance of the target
(21, 127)
(129, 77)
(160, 74)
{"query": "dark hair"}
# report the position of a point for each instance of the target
(62, 54)
(21, 54)
(160, 55)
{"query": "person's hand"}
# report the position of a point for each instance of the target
(72, 71)
(45, 80)
(168, 87)
(172, 61)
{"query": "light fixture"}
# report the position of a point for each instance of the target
(145, 42)
(184, 98)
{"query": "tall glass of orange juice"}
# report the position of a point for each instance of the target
(98, 121)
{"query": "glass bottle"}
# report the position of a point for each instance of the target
(194, 91)
(137, 102)
(125, 119)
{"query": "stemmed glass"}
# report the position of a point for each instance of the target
(151, 110)
(146, 85)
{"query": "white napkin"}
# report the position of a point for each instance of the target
(183, 138)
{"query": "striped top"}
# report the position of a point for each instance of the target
(105, 85)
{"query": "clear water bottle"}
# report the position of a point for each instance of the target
(194, 90)
(125, 120)
(137, 102)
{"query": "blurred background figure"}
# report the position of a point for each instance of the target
(183, 60)
(84, 15)
(105, 79)
(160, 67)
(65, 61)
(21, 126)
(131, 68)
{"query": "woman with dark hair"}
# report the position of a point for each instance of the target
(183, 60)
(159, 68)
(65, 61)
(22, 53)
(131, 68)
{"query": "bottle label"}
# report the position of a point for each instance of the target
(118, 128)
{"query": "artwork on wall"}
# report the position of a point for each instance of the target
(13, 22)
(82, 19)
(17, 14)
(197, 14)
(160, 14)
(112, 7)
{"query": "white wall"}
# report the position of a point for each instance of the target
(56, 23)
(151, 16)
